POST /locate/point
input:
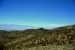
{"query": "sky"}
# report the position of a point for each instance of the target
(37, 13)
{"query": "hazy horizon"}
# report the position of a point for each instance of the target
(10, 27)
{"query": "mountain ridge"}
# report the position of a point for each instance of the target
(62, 36)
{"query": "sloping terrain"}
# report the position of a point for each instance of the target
(32, 39)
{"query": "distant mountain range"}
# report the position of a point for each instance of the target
(10, 27)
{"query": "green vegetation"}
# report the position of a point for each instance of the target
(62, 38)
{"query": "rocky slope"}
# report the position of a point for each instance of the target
(37, 37)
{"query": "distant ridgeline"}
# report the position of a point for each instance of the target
(37, 37)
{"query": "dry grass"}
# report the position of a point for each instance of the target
(49, 47)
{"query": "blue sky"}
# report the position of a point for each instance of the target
(37, 13)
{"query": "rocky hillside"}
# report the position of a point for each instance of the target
(37, 37)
